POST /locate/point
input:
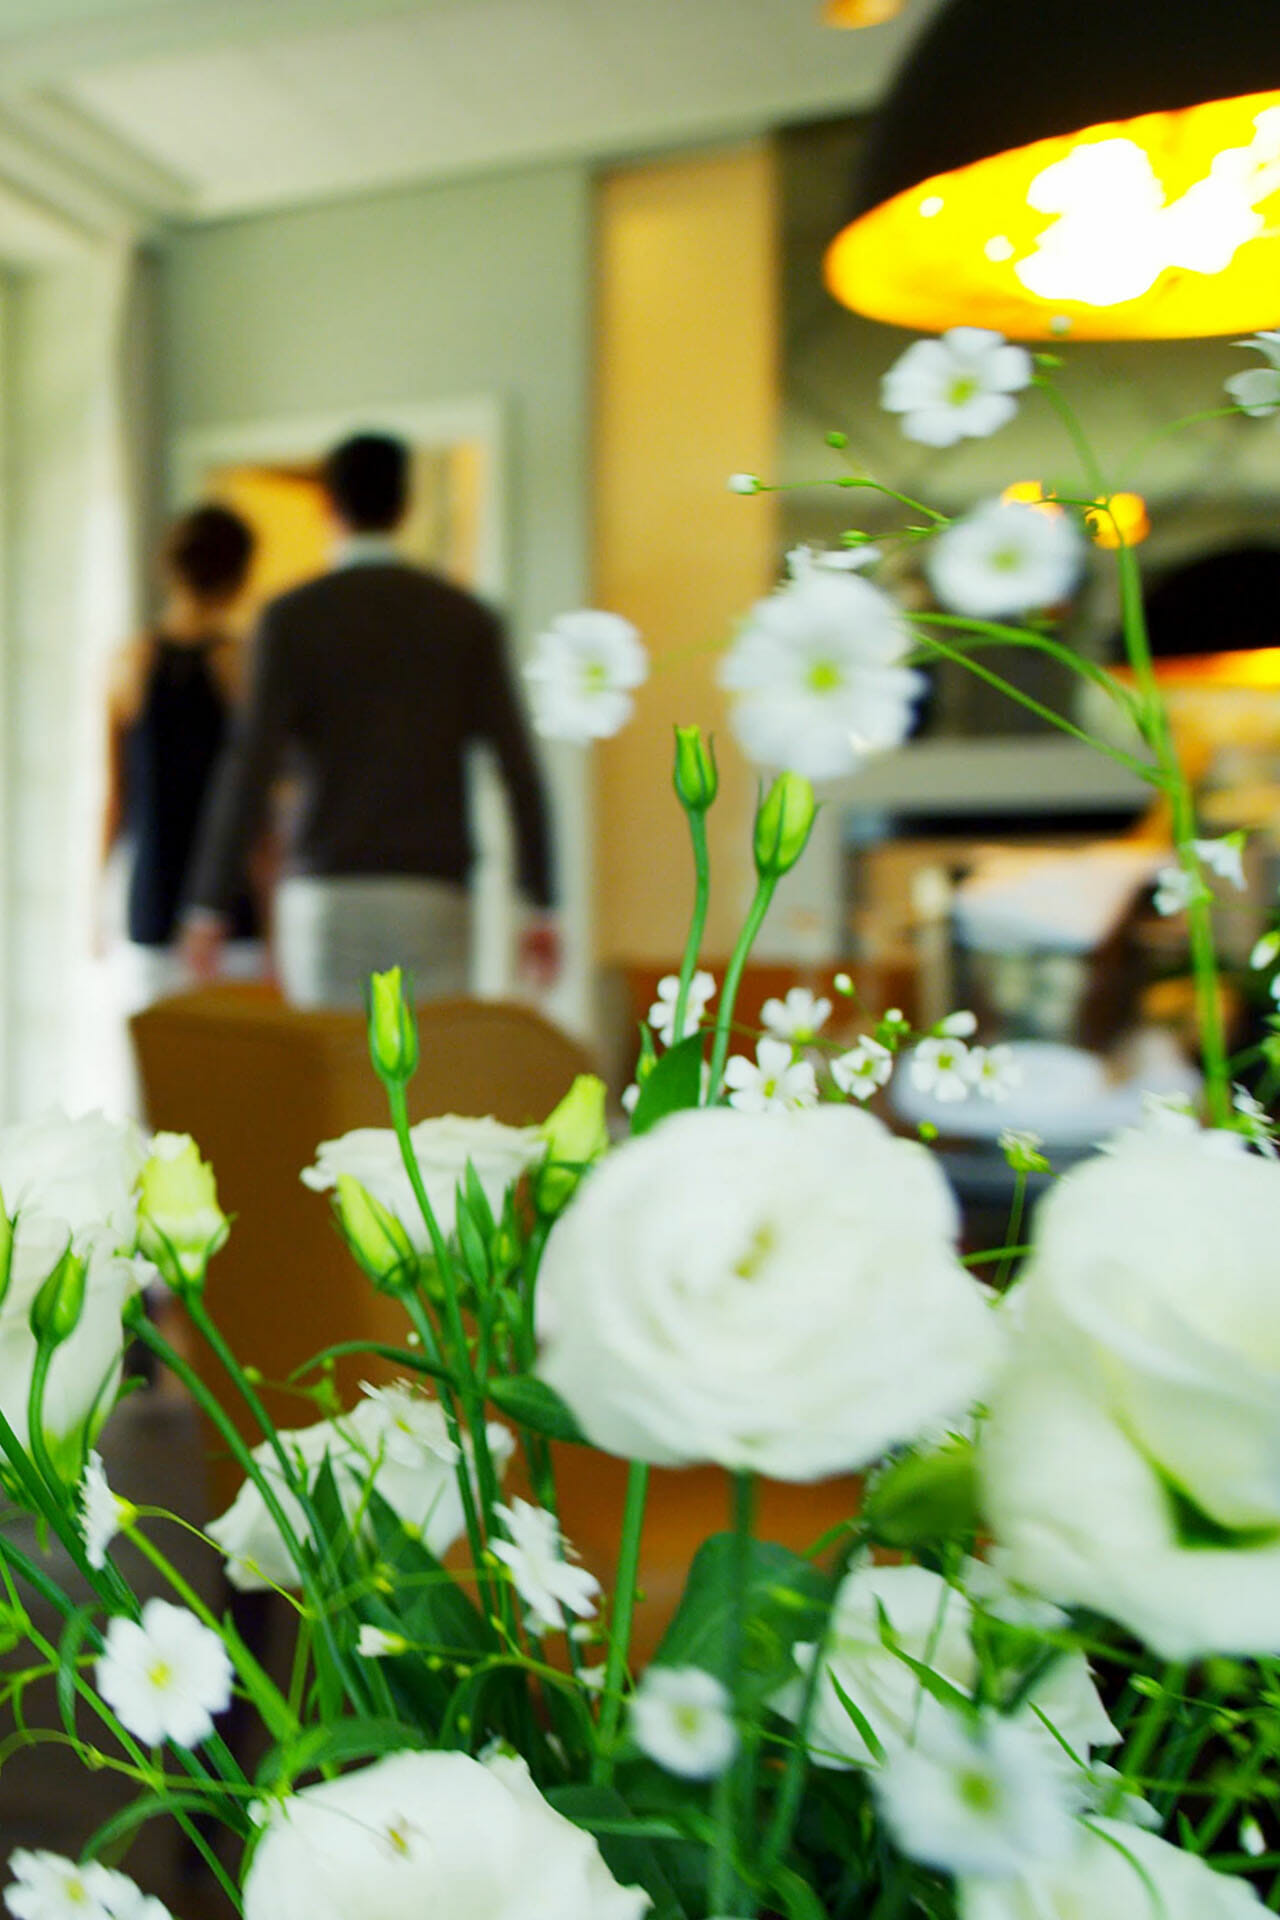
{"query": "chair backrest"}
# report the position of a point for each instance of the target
(259, 1084)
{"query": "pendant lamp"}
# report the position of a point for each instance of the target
(1052, 168)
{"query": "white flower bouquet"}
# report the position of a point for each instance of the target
(1035, 1675)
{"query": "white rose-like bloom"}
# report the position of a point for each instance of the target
(1147, 1359)
(443, 1146)
(81, 1173)
(583, 672)
(816, 676)
(1115, 1872)
(959, 387)
(775, 1292)
(430, 1833)
(1006, 557)
(931, 1622)
(84, 1372)
(396, 1439)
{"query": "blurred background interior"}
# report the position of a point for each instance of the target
(571, 250)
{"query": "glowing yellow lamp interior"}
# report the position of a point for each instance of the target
(1166, 226)
(860, 13)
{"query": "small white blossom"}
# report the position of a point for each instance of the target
(1023, 1151)
(863, 1070)
(775, 1079)
(942, 1068)
(373, 1644)
(1004, 558)
(994, 1071)
(583, 672)
(629, 1098)
(1252, 1839)
(1175, 889)
(680, 1718)
(959, 387)
(798, 1018)
(744, 483)
(1266, 951)
(662, 1014)
(843, 984)
(1257, 391)
(1225, 857)
(545, 1579)
(102, 1513)
(817, 678)
(805, 560)
(961, 1025)
(988, 1799)
(47, 1886)
(165, 1676)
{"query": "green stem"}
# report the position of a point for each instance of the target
(1014, 1228)
(734, 1811)
(623, 1614)
(766, 886)
(1152, 1723)
(993, 633)
(697, 925)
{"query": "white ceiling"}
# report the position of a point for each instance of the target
(207, 108)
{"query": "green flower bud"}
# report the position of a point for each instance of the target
(393, 1032)
(696, 778)
(924, 1497)
(576, 1135)
(374, 1235)
(784, 821)
(6, 1248)
(56, 1309)
(180, 1224)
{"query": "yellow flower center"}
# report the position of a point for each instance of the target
(160, 1674)
(979, 1791)
(824, 677)
(962, 388)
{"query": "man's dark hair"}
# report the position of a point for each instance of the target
(208, 551)
(367, 479)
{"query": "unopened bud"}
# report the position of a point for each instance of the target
(180, 1224)
(784, 821)
(393, 1032)
(696, 779)
(56, 1309)
(376, 1238)
(576, 1134)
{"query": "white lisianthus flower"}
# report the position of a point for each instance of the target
(165, 1675)
(83, 1376)
(793, 1307)
(443, 1147)
(420, 1833)
(1114, 1871)
(395, 1440)
(583, 673)
(773, 1081)
(662, 1014)
(931, 1622)
(1224, 856)
(47, 1886)
(1004, 558)
(942, 1068)
(864, 1069)
(994, 1071)
(180, 1223)
(79, 1174)
(1257, 390)
(1175, 890)
(988, 1798)
(1129, 1456)
(798, 1017)
(102, 1513)
(959, 387)
(680, 1717)
(816, 676)
(537, 1556)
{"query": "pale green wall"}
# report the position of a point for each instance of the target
(479, 287)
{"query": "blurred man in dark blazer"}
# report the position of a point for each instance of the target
(371, 682)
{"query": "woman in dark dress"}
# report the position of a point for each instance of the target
(170, 697)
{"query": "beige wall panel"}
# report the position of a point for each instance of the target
(686, 393)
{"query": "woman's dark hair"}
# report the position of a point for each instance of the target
(208, 551)
(367, 479)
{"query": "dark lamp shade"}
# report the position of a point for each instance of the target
(1067, 171)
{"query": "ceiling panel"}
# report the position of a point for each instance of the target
(448, 87)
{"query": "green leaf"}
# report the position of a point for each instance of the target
(430, 1607)
(633, 1861)
(69, 1643)
(870, 1738)
(533, 1404)
(335, 1745)
(933, 1683)
(674, 1084)
(478, 1202)
(798, 1898)
(471, 1241)
(787, 1599)
(153, 1806)
(925, 1497)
